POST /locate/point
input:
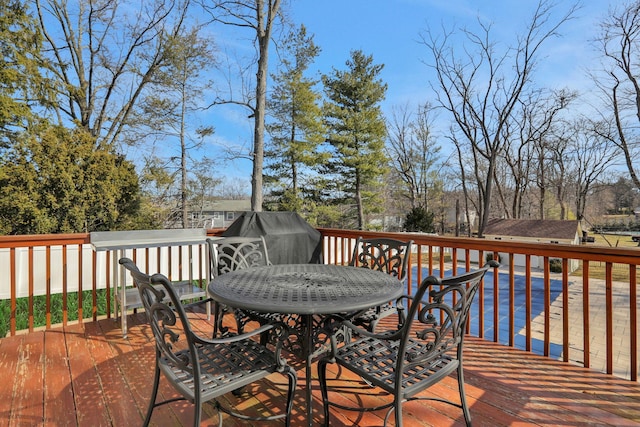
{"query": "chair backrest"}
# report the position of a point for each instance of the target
(137, 275)
(436, 318)
(383, 254)
(166, 316)
(237, 253)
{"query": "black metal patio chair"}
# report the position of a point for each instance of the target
(383, 254)
(237, 253)
(427, 347)
(202, 369)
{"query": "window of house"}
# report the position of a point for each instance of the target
(230, 216)
(216, 215)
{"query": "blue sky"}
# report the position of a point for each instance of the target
(390, 31)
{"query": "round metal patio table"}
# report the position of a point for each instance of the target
(307, 290)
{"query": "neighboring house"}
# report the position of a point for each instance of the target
(535, 230)
(386, 223)
(446, 225)
(219, 214)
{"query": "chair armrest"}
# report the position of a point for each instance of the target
(386, 335)
(191, 305)
(348, 325)
(234, 338)
(278, 328)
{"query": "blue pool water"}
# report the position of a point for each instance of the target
(537, 308)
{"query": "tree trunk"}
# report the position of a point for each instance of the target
(265, 19)
(359, 203)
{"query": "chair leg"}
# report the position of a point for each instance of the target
(322, 379)
(293, 381)
(463, 396)
(398, 410)
(218, 315)
(197, 412)
(154, 393)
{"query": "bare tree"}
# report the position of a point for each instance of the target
(102, 56)
(620, 44)
(481, 89)
(259, 17)
(577, 160)
(413, 152)
(529, 133)
(592, 155)
(557, 166)
(202, 186)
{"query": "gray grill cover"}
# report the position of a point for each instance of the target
(290, 239)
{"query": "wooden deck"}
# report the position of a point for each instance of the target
(88, 375)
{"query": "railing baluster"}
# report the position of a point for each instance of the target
(65, 272)
(14, 291)
(108, 281)
(609, 315)
(633, 320)
(454, 260)
(169, 263)
(31, 298)
(481, 300)
(565, 310)
(547, 308)
(512, 302)
(419, 265)
(586, 357)
(527, 285)
(48, 287)
(94, 286)
(80, 264)
(496, 303)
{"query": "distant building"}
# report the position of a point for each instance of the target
(219, 213)
(534, 230)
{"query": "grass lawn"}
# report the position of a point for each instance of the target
(56, 309)
(620, 272)
(613, 241)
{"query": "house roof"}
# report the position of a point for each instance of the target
(240, 205)
(532, 228)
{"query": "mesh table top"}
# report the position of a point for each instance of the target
(305, 288)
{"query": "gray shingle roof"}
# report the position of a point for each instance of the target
(532, 228)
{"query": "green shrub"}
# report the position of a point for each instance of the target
(555, 265)
(419, 220)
